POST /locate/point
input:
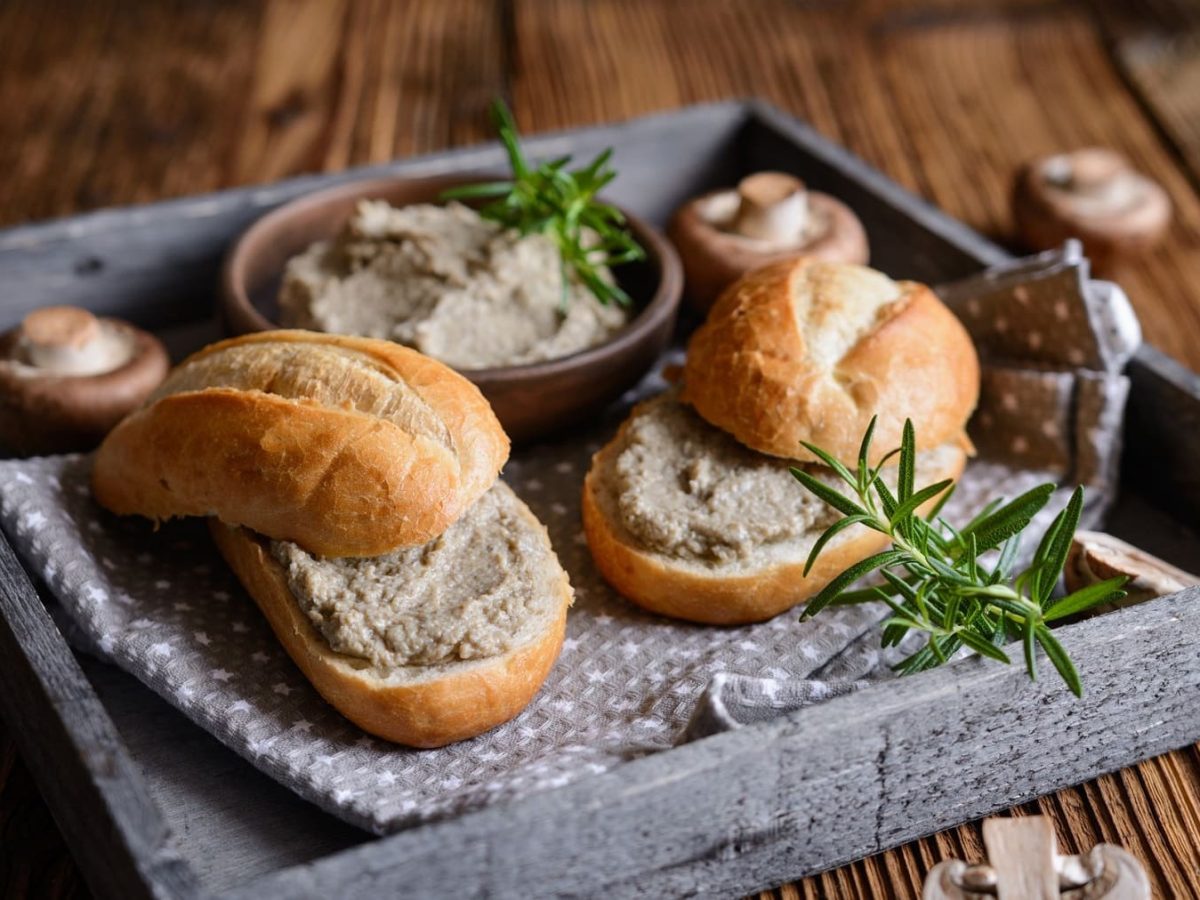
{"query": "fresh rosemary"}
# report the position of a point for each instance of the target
(936, 580)
(561, 204)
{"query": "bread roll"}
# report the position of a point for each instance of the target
(686, 522)
(424, 705)
(811, 351)
(346, 446)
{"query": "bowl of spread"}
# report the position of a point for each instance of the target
(390, 258)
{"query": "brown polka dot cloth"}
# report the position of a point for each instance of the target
(162, 605)
(1053, 344)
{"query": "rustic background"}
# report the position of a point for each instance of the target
(108, 102)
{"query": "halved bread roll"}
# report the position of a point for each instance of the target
(499, 554)
(811, 351)
(346, 446)
(685, 521)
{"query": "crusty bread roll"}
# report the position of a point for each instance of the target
(810, 351)
(754, 581)
(346, 446)
(416, 705)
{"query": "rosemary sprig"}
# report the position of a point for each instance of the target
(936, 579)
(550, 199)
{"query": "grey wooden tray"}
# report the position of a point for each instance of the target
(153, 806)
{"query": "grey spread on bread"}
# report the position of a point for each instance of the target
(351, 486)
(691, 511)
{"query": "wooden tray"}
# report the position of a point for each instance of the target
(153, 806)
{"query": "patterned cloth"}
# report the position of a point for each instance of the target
(163, 606)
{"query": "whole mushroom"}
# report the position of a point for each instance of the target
(1095, 556)
(1093, 195)
(67, 377)
(770, 216)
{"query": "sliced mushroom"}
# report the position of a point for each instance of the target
(66, 378)
(1096, 557)
(770, 216)
(1093, 195)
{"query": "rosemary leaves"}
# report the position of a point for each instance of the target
(562, 204)
(944, 582)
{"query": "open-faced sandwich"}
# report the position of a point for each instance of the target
(691, 510)
(351, 486)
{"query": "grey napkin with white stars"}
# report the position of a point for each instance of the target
(162, 605)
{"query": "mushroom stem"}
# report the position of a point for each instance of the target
(1094, 169)
(1095, 175)
(772, 206)
(67, 340)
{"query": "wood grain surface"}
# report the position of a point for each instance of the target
(110, 102)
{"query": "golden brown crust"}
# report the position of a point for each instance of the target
(333, 479)
(429, 709)
(479, 441)
(750, 373)
(713, 260)
(658, 584)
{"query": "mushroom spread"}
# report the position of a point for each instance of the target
(478, 590)
(447, 282)
(67, 377)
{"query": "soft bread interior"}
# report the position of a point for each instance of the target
(765, 576)
(416, 705)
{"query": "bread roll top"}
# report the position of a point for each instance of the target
(345, 446)
(811, 351)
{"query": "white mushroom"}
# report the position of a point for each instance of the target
(66, 340)
(1096, 557)
(67, 377)
(770, 216)
(1091, 194)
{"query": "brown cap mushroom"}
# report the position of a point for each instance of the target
(1093, 195)
(66, 378)
(1095, 557)
(769, 217)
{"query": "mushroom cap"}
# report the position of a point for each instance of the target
(713, 258)
(1095, 556)
(45, 412)
(1071, 195)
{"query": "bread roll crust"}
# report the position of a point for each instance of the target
(750, 372)
(335, 480)
(684, 590)
(424, 707)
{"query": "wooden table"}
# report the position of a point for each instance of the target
(110, 103)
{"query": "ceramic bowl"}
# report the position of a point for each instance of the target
(531, 400)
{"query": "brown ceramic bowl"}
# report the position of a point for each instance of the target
(530, 400)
